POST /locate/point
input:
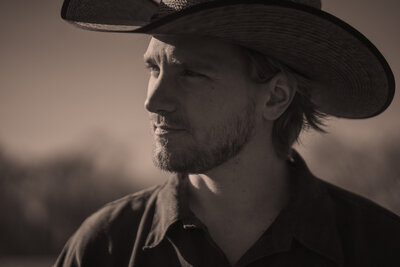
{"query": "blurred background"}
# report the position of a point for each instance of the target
(74, 134)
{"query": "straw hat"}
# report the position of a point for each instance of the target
(348, 76)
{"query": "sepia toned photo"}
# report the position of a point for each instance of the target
(210, 133)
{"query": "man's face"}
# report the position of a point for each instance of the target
(201, 102)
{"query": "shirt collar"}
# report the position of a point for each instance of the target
(313, 213)
(170, 207)
(309, 217)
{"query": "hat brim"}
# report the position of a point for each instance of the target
(348, 76)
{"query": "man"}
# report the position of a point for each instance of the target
(232, 84)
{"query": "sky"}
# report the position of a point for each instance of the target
(62, 88)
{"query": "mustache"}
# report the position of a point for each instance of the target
(171, 121)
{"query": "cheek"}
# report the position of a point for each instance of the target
(200, 99)
(210, 104)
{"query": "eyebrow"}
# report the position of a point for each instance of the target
(199, 65)
(148, 59)
(189, 64)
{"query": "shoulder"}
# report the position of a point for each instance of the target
(132, 205)
(110, 230)
(128, 209)
(355, 206)
(366, 229)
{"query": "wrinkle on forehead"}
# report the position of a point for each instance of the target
(205, 52)
(159, 51)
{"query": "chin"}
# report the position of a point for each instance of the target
(189, 160)
(171, 159)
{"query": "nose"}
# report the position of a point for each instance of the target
(160, 96)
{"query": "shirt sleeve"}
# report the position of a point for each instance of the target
(89, 246)
(108, 236)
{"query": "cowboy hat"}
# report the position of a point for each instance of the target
(347, 74)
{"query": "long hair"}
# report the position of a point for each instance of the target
(301, 114)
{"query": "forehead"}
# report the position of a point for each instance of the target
(187, 49)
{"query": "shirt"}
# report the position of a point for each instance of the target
(322, 225)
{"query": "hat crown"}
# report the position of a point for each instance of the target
(312, 3)
(170, 6)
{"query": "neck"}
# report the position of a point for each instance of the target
(249, 189)
(254, 181)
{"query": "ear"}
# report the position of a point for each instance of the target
(280, 92)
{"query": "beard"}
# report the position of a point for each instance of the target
(221, 142)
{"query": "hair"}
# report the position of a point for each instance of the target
(300, 115)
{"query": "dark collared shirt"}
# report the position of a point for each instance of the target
(322, 225)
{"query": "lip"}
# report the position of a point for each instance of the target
(163, 130)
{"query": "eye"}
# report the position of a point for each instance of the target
(154, 69)
(190, 73)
